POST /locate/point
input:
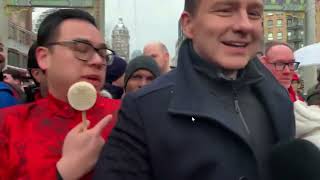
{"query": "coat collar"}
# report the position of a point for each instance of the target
(277, 104)
(198, 105)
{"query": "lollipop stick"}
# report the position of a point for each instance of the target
(84, 120)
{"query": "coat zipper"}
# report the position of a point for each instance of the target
(238, 110)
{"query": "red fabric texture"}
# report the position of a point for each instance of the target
(295, 77)
(293, 95)
(31, 135)
(37, 95)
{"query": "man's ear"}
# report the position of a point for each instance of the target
(42, 56)
(187, 24)
(167, 56)
(263, 59)
(35, 74)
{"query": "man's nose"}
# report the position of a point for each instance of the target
(97, 60)
(286, 69)
(243, 23)
(144, 82)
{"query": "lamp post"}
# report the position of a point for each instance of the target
(310, 22)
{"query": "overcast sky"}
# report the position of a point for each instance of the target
(147, 20)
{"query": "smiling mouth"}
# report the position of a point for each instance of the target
(236, 44)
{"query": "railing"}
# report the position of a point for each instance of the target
(295, 38)
(295, 24)
(20, 34)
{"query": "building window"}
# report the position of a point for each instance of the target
(13, 58)
(270, 23)
(289, 22)
(270, 36)
(290, 35)
(291, 44)
(24, 62)
(279, 23)
(279, 35)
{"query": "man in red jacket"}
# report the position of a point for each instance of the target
(279, 59)
(44, 139)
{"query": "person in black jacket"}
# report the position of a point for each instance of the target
(115, 78)
(141, 71)
(215, 117)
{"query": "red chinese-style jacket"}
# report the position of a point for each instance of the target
(32, 135)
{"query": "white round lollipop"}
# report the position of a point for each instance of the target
(82, 96)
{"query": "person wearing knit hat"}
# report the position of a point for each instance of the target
(116, 69)
(141, 71)
(293, 90)
(115, 77)
(297, 84)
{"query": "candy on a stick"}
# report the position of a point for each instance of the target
(82, 96)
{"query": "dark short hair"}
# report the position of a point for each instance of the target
(191, 6)
(48, 30)
(271, 44)
(32, 60)
(15, 74)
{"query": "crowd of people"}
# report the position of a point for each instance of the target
(217, 115)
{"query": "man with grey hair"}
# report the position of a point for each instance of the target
(159, 52)
(279, 59)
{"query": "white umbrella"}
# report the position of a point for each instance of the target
(309, 55)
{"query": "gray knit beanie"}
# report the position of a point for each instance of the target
(141, 62)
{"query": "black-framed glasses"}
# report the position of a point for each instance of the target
(84, 50)
(280, 66)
